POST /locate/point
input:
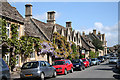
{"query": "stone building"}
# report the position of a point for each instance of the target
(12, 16)
(44, 31)
(87, 45)
(101, 37)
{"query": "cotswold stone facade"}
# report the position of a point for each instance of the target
(12, 16)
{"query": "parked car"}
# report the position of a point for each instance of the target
(101, 58)
(86, 62)
(107, 56)
(95, 61)
(118, 65)
(4, 70)
(113, 60)
(78, 64)
(63, 66)
(91, 63)
(37, 69)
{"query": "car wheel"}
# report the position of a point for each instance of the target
(71, 70)
(42, 76)
(54, 74)
(81, 68)
(65, 72)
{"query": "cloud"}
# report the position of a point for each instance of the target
(43, 16)
(111, 32)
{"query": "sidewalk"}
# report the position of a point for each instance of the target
(15, 74)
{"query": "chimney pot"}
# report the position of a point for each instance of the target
(94, 31)
(51, 17)
(28, 10)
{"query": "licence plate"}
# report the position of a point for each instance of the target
(28, 75)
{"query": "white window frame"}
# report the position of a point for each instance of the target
(32, 55)
(7, 58)
(8, 28)
(17, 62)
(18, 31)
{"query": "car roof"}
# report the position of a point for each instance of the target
(62, 60)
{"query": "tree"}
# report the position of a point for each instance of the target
(98, 44)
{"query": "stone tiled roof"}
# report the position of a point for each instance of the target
(84, 44)
(87, 41)
(6, 10)
(45, 28)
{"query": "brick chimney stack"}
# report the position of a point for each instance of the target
(94, 31)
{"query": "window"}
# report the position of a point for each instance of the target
(17, 58)
(7, 58)
(32, 55)
(42, 64)
(18, 31)
(8, 29)
(47, 64)
(30, 65)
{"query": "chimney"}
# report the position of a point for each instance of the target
(83, 34)
(28, 11)
(68, 24)
(51, 17)
(94, 31)
(99, 32)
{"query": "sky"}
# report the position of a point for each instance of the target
(85, 16)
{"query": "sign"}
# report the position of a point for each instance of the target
(83, 52)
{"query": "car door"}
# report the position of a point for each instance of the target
(49, 69)
(44, 68)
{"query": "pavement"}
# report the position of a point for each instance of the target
(103, 71)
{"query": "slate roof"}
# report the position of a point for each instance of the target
(86, 41)
(45, 28)
(7, 11)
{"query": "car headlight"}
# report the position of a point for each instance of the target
(60, 68)
(84, 63)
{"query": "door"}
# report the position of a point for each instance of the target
(44, 68)
(49, 69)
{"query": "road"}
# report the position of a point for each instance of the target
(104, 71)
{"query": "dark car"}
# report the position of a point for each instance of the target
(78, 64)
(90, 62)
(101, 58)
(118, 65)
(4, 70)
(37, 69)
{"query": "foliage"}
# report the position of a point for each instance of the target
(98, 44)
(92, 54)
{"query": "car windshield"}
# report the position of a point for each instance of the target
(75, 61)
(113, 58)
(30, 65)
(84, 60)
(92, 59)
(59, 63)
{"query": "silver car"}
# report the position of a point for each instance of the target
(95, 61)
(113, 60)
(4, 70)
(37, 69)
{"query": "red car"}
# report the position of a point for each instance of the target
(63, 66)
(86, 62)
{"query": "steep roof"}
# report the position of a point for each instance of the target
(45, 28)
(7, 11)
